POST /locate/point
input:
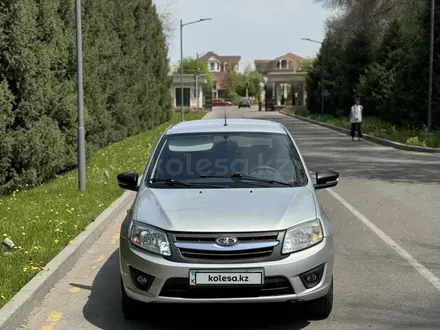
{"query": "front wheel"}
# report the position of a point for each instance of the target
(322, 307)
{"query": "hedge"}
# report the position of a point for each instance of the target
(126, 85)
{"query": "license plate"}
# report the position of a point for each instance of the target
(226, 277)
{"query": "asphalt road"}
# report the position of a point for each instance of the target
(386, 221)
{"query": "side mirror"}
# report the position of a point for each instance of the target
(326, 179)
(128, 181)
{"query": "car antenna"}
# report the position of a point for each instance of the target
(226, 123)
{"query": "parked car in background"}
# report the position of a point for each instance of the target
(221, 103)
(244, 103)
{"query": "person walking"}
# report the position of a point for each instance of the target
(356, 120)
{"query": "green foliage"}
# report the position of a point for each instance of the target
(253, 78)
(192, 66)
(328, 57)
(386, 65)
(306, 65)
(412, 74)
(236, 83)
(302, 112)
(232, 81)
(126, 87)
(42, 221)
(232, 96)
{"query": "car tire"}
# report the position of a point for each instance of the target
(130, 307)
(320, 308)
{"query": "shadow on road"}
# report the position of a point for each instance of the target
(360, 160)
(103, 310)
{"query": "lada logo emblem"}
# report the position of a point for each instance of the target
(226, 241)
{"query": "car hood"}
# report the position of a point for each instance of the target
(224, 210)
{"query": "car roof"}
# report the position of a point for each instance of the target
(234, 125)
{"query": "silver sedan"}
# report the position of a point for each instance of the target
(226, 212)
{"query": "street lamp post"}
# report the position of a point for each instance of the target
(431, 64)
(80, 96)
(322, 73)
(197, 80)
(181, 59)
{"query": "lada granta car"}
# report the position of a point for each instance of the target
(226, 211)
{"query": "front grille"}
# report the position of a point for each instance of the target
(255, 237)
(227, 255)
(180, 288)
(250, 247)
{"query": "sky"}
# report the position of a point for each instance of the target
(252, 29)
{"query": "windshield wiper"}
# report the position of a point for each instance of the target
(245, 176)
(172, 182)
(175, 182)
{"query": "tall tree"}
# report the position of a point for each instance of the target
(377, 83)
(126, 84)
(253, 78)
(357, 55)
(412, 75)
(329, 60)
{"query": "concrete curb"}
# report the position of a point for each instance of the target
(21, 305)
(367, 137)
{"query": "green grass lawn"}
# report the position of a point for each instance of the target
(376, 127)
(42, 221)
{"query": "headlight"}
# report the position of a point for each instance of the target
(150, 239)
(302, 236)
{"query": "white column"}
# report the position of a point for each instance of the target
(304, 94)
(278, 93)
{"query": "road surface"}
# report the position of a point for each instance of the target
(386, 221)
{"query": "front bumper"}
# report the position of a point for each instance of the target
(167, 276)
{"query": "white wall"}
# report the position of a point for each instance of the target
(193, 99)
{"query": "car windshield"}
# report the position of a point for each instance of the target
(230, 160)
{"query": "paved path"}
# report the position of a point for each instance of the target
(386, 217)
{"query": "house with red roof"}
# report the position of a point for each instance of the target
(219, 65)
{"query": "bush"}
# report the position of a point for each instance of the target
(234, 97)
(302, 112)
(126, 86)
